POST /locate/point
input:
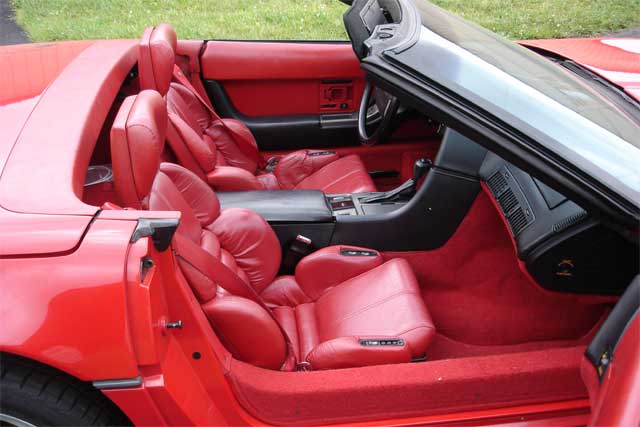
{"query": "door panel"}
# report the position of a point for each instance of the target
(292, 95)
(285, 78)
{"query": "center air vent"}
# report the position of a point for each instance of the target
(512, 202)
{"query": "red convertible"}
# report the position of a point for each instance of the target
(426, 225)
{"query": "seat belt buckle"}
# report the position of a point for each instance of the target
(271, 164)
(299, 248)
(303, 366)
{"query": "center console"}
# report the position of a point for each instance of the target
(356, 205)
(310, 213)
(399, 220)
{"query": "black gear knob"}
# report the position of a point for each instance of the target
(420, 167)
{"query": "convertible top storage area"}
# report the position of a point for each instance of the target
(46, 170)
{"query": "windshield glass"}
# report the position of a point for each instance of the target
(506, 83)
(532, 69)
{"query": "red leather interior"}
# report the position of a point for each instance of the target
(345, 175)
(156, 57)
(326, 267)
(142, 119)
(202, 141)
(295, 167)
(229, 178)
(235, 254)
(246, 329)
(274, 78)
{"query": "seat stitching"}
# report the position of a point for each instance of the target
(340, 178)
(375, 304)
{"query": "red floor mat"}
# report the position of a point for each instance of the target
(477, 294)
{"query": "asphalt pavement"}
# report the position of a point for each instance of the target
(10, 32)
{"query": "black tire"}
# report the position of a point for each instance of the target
(42, 396)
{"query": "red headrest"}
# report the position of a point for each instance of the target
(156, 58)
(137, 140)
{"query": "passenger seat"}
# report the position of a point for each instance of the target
(223, 151)
(344, 307)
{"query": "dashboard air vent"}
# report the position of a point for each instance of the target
(512, 202)
(508, 201)
(517, 220)
(497, 183)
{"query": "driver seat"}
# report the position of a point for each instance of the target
(222, 151)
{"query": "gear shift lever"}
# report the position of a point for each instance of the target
(420, 167)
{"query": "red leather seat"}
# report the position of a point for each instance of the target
(335, 312)
(223, 151)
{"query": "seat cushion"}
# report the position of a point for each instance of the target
(384, 302)
(345, 175)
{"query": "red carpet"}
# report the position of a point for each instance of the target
(478, 295)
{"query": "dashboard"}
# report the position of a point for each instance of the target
(564, 248)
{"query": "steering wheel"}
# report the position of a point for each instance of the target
(375, 115)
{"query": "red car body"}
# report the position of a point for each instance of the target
(72, 294)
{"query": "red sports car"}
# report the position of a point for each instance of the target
(427, 225)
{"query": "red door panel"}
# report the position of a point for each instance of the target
(276, 78)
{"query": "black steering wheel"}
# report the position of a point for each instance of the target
(377, 109)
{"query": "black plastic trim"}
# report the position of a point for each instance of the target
(426, 222)
(160, 230)
(602, 348)
(282, 205)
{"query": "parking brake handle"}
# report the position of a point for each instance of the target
(407, 188)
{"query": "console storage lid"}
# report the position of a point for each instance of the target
(281, 205)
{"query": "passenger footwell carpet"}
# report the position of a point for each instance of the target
(478, 296)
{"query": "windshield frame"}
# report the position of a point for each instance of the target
(595, 151)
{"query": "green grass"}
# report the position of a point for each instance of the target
(47, 20)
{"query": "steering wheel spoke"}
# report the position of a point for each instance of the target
(377, 110)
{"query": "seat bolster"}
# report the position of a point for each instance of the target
(297, 166)
(251, 242)
(269, 181)
(201, 199)
(286, 317)
(201, 147)
(247, 331)
(346, 175)
(347, 352)
(156, 56)
(327, 267)
(236, 143)
(230, 178)
(284, 291)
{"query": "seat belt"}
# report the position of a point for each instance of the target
(246, 149)
(210, 266)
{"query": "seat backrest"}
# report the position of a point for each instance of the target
(210, 142)
(236, 245)
(156, 58)
(137, 140)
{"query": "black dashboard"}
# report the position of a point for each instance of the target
(564, 248)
